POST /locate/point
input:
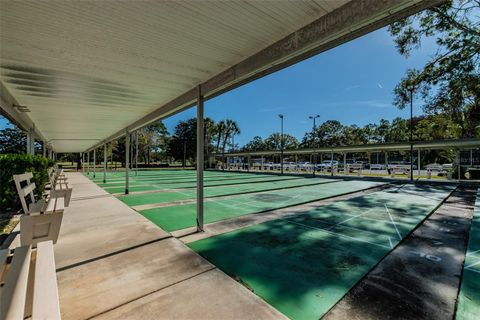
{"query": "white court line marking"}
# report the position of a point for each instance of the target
(473, 264)
(391, 244)
(391, 218)
(334, 233)
(356, 216)
(473, 270)
(473, 252)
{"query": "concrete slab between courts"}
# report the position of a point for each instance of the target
(113, 263)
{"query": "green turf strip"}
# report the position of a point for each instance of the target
(468, 302)
(164, 186)
(183, 216)
(162, 197)
(303, 264)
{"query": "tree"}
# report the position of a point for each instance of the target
(13, 140)
(231, 128)
(449, 82)
(152, 138)
(256, 144)
(183, 143)
(399, 131)
(273, 142)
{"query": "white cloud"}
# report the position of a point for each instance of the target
(379, 85)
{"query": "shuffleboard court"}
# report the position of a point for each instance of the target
(468, 303)
(184, 216)
(177, 195)
(176, 178)
(304, 263)
(152, 185)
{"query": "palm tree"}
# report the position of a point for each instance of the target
(231, 128)
(219, 131)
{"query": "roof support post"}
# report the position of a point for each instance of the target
(127, 158)
(345, 169)
(88, 162)
(94, 161)
(136, 152)
(44, 149)
(418, 163)
(331, 164)
(200, 160)
(29, 137)
(104, 163)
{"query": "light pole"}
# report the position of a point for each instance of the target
(411, 88)
(314, 136)
(281, 142)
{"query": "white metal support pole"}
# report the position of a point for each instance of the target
(94, 162)
(32, 143)
(81, 160)
(127, 159)
(88, 162)
(419, 163)
(136, 152)
(459, 157)
(29, 137)
(331, 164)
(104, 163)
(200, 147)
(345, 169)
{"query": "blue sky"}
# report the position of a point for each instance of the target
(352, 83)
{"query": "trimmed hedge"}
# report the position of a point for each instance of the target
(11, 164)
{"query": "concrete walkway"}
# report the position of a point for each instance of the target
(114, 264)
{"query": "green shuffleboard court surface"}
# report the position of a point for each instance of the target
(149, 185)
(305, 263)
(183, 216)
(176, 195)
(172, 179)
(468, 302)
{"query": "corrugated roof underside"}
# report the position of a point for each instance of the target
(87, 69)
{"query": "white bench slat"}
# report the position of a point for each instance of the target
(55, 205)
(45, 294)
(13, 293)
(27, 189)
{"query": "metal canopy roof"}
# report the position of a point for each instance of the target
(89, 70)
(374, 147)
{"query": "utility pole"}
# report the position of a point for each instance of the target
(314, 138)
(281, 142)
(411, 89)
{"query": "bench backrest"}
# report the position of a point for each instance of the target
(25, 191)
(29, 283)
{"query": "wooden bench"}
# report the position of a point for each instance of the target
(29, 283)
(42, 218)
(58, 187)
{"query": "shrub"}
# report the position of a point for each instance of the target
(11, 164)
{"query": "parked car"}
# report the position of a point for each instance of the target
(447, 166)
(378, 166)
(290, 166)
(434, 167)
(305, 166)
(327, 164)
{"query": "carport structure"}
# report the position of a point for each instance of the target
(77, 75)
